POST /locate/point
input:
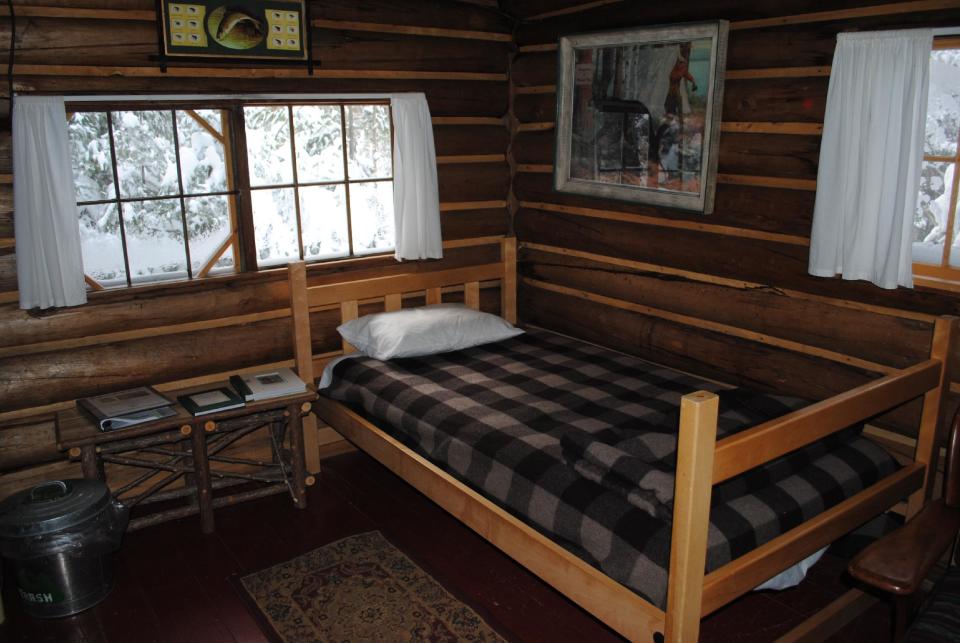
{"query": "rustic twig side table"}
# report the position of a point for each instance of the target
(191, 448)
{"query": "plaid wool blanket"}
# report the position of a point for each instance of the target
(639, 464)
(495, 416)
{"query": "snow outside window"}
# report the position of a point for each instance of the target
(321, 180)
(936, 230)
(154, 195)
(159, 197)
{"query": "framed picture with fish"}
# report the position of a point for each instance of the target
(271, 30)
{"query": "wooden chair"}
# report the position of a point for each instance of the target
(898, 563)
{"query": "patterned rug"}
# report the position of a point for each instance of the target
(360, 588)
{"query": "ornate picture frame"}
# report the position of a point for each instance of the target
(638, 114)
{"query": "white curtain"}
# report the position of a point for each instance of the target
(416, 200)
(49, 263)
(870, 157)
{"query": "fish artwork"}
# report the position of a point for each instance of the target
(235, 28)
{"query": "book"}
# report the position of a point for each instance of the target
(126, 408)
(217, 399)
(132, 419)
(267, 385)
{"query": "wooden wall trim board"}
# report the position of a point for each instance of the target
(466, 120)
(768, 181)
(801, 129)
(534, 89)
(535, 127)
(777, 72)
(535, 168)
(733, 179)
(705, 324)
(472, 205)
(586, 6)
(845, 14)
(732, 283)
(79, 13)
(540, 48)
(472, 158)
(247, 72)
(668, 223)
(437, 32)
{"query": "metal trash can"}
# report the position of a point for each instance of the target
(60, 537)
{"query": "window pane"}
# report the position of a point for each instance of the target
(319, 148)
(146, 159)
(943, 105)
(931, 216)
(90, 154)
(371, 209)
(201, 155)
(100, 244)
(275, 226)
(323, 212)
(368, 135)
(155, 247)
(268, 145)
(208, 226)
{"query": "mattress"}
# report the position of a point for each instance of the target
(498, 417)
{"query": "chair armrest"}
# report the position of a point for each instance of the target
(898, 562)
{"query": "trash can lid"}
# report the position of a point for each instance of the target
(52, 507)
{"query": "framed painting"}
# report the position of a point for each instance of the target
(276, 30)
(638, 114)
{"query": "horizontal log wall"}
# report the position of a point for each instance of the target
(726, 294)
(456, 53)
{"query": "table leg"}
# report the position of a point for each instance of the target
(297, 459)
(201, 469)
(90, 463)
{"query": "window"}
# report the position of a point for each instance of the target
(313, 197)
(163, 195)
(936, 229)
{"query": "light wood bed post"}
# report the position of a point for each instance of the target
(691, 515)
(934, 401)
(303, 356)
(508, 285)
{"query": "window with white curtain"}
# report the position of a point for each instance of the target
(165, 192)
(936, 229)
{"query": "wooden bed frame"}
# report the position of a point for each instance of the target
(702, 461)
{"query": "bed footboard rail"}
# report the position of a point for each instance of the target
(698, 470)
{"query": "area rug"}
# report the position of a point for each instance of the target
(360, 588)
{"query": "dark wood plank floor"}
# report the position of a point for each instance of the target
(173, 584)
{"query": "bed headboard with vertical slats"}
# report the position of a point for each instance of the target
(391, 289)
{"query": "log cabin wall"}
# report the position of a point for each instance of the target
(457, 53)
(729, 289)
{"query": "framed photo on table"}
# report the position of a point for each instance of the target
(638, 114)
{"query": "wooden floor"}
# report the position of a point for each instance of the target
(173, 584)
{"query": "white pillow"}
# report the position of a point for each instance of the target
(425, 331)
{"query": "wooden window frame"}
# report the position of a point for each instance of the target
(242, 237)
(296, 184)
(943, 276)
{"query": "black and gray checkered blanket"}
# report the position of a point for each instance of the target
(639, 464)
(500, 416)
